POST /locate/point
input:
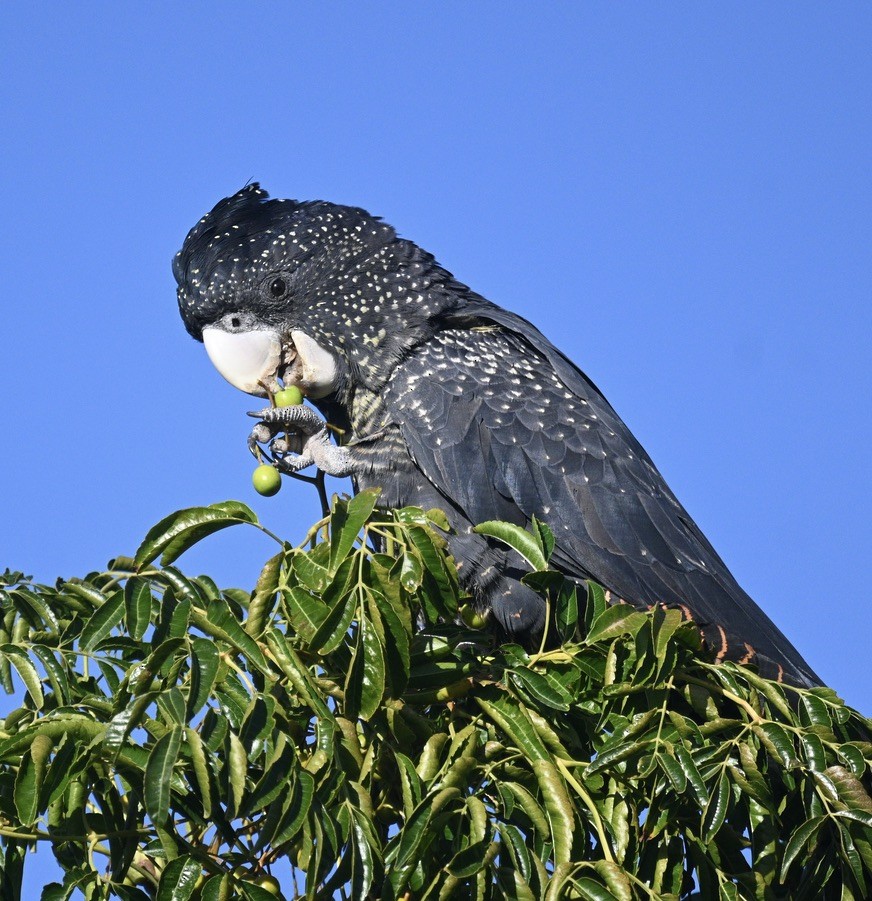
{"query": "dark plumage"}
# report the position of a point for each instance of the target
(453, 402)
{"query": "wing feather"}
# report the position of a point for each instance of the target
(506, 427)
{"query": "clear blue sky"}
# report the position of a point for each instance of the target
(679, 198)
(677, 195)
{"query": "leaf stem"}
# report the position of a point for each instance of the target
(57, 837)
(594, 813)
(725, 693)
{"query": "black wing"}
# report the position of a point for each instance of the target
(506, 427)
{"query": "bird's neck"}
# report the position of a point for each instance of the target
(359, 415)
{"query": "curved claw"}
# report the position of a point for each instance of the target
(260, 434)
(293, 463)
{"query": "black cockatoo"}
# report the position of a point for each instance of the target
(449, 401)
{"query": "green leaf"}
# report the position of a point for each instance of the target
(850, 754)
(587, 888)
(438, 518)
(104, 619)
(596, 603)
(264, 595)
(237, 769)
(80, 591)
(373, 682)
(179, 531)
(430, 759)
(434, 564)
(365, 863)
(26, 790)
(225, 625)
(56, 673)
(382, 575)
(410, 783)
(395, 642)
(36, 605)
(510, 716)
(530, 805)
(137, 601)
(297, 810)
(25, 668)
(348, 518)
(527, 545)
(542, 688)
(614, 753)
(179, 880)
(618, 619)
(413, 836)
(333, 631)
(304, 612)
(273, 782)
(772, 691)
(158, 773)
(411, 571)
(545, 731)
(120, 725)
(616, 879)
(40, 752)
(233, 699)
(292, 667)
(309, 571)
(816, 711)
(174, 617)
(858, 816)
(60, 771)
(673, 770)
(544, 535)
(514, 840)
(667, 622)
(801, 837)
(76, 882)
(716, 809)
(200, 764)
(204, 670)
(566, 611)
(757, 786)
(558, 807)
(850, 789)
(815, 753)
(218, 888)
(692, 773)
(162, 662)
(251, 891)
(776, 740)
(171, 705)
(468, 861)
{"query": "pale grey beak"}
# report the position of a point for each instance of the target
(248, 360)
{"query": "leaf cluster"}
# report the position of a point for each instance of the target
(177, 740)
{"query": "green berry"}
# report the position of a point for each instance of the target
(288, 397)
(269, 884)
(266, 480)
(472, 617)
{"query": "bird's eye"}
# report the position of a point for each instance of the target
(278, 287)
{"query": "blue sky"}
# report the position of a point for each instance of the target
(677, 195)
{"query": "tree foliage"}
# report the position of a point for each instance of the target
(176, 740)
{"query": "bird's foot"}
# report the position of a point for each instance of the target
(297, 437)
